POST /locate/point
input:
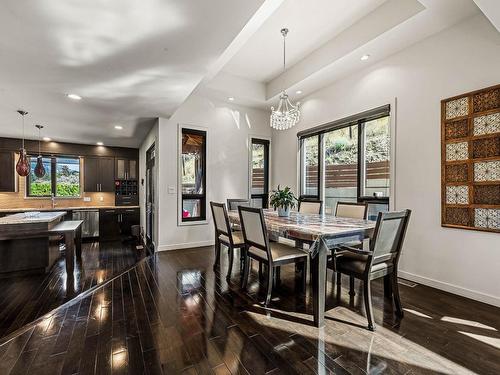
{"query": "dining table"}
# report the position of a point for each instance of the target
(323, 233)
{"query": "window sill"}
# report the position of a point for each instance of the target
(190, 223)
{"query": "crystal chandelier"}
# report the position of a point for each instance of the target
(286, 114)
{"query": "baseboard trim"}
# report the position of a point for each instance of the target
(464, 292)
(185, 245)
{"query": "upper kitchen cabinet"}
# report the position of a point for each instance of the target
(126, 169)
(98, 174)
(7, 171)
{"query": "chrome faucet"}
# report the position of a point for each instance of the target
(53, 199)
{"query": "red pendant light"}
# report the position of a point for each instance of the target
(22, 166)
(39, 169)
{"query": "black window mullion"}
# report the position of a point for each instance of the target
(53, 175)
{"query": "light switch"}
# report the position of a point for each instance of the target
(87, 199)
(171, 190)
(101, 199)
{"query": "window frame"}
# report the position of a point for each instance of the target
(202, 219)
(359, 120)
(53, 178)
(267, 155)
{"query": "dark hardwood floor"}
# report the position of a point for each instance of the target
(172, 313)
(24, 299)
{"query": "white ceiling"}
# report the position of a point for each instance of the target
(130, 60)
(311, 24)
(133, 61)
(326, 42)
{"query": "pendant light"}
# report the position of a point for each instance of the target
(39, 169)
(286, 115)
(22, 166)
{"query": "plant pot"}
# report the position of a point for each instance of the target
(283, 212)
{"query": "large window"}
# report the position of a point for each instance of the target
(348, 160)
(193, 175)
(61, 179)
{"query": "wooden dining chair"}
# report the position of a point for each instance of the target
(352, 210)
(310, 206)
(225, 236)
(233, 204)
(258, 247)
(379, 261)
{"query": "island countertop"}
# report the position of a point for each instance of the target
(42, 217)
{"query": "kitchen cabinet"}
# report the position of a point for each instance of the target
(116, 224)
(7, 171)
(109, 225)
(98, 174)
(126, 169)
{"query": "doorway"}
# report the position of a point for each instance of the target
(150, 197)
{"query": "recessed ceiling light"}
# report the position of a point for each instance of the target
(365, 57)
(118, 127)
(298, 92)
(231, 99)
(100, 144)
(47, 139)
(74, 96)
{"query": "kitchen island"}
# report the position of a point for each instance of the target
(25, 243)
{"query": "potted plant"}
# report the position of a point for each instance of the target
(282, 200)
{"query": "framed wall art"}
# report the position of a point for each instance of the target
(470, 160)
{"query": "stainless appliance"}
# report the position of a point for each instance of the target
(90, 226)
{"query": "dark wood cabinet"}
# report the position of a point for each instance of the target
(7, 171)
(117, 224)
(126, 169)
(98, 174)
(109, 225)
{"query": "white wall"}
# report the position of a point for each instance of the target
(151, 138)
(229, 128)
(457, 60)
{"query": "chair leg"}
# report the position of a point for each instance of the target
(339, 285)
(261, 276)
(352, 293)
(246, 270)
(368, 304)
(242, 259)
(304, 276)
(217, 253)
(277, 276)
(231, 259)
(270, 276)
(395, 293)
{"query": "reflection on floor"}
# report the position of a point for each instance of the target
(24, 299)
(173, 314)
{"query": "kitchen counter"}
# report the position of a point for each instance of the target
(26, 245)
(48, 209)
(42, 217)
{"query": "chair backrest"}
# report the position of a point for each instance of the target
(310, 206)
(351, 210)
(253, 226)
(389, 235)
(221, 221)
(233, 204)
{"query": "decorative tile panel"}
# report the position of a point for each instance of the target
(457, 108)
(470, 160)
(486, 100)
(487, 218)
(487, 171)
(487, 194)
(457, 216)
(457, 194)
(456, 173)
(456, 129)
(488, 124)
(486, 147)
(457, 151)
